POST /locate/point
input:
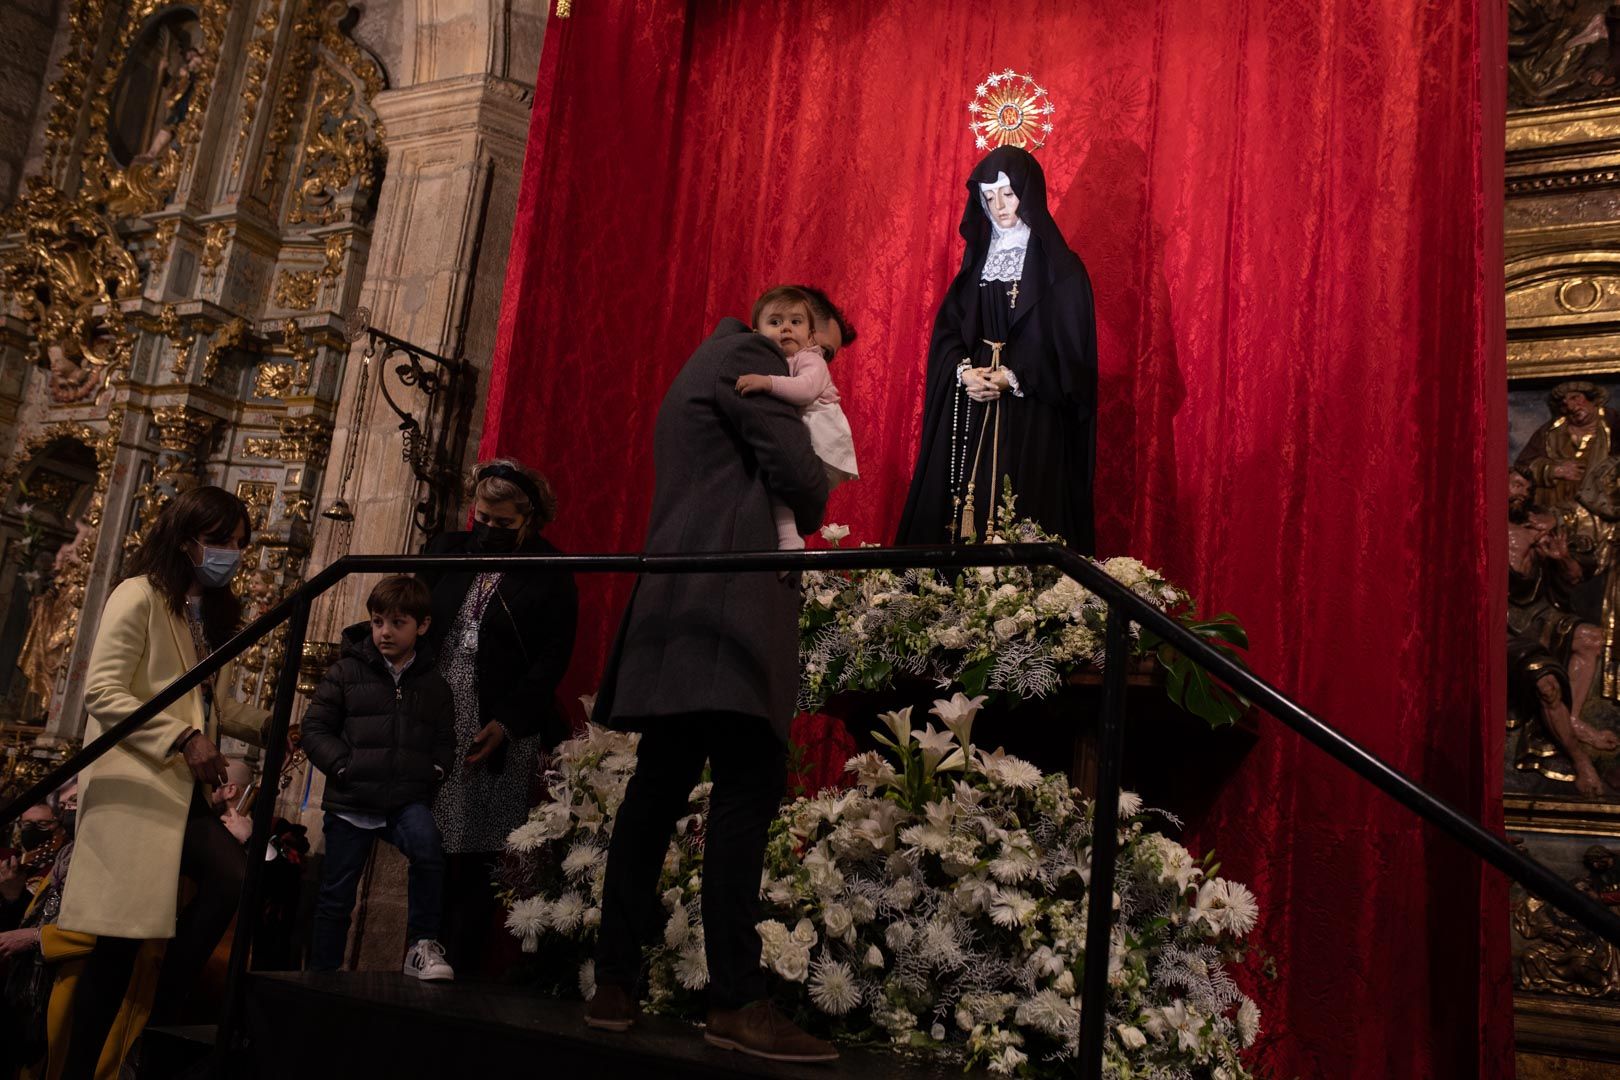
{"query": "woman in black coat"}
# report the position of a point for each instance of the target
(504, 642)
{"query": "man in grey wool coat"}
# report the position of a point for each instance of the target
(706, 666)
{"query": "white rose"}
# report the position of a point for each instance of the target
(1131, 1038)
(793, 965)
(838, 920)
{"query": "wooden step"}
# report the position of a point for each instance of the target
(385, 1024)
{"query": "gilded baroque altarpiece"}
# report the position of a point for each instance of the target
(1562, 762)
(172, 280)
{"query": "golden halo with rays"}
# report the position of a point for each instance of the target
(1009, 109)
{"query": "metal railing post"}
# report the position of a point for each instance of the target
(1104, 846)
(264, 809)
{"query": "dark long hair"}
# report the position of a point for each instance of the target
(208, 513)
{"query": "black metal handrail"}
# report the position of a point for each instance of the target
(1121, 601)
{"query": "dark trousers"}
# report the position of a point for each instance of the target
(749, 769)
(216, 865)
(410, 829)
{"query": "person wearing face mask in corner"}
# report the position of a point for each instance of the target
(504, 641)
(145, 808)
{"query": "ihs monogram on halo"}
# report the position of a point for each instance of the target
(1009, 109)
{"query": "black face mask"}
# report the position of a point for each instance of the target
(31, 836)
(68, 818)
(495, 541)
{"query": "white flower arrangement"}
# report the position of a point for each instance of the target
(1012, 631)
(938, 905)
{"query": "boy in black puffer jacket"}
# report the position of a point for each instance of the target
(382, 729)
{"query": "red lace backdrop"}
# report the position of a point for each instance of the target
(1291, 215)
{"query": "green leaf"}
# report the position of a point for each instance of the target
(975, 676)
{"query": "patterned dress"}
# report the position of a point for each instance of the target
(476, 808)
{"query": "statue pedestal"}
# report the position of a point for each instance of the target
(1173, 759)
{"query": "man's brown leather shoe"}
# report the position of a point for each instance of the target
(611, 1008)
(760, 1030)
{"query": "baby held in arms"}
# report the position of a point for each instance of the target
(783, 315)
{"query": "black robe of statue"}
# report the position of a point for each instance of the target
(1048, 437)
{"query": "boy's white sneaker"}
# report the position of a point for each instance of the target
(425, 961)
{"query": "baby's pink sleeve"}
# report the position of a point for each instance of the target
(805, 388)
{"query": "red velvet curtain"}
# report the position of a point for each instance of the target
(1291, 213)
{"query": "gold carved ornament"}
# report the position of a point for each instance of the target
(259, 52)
(215, 237)
(65, 277)
(231, 335)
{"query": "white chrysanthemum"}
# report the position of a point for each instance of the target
(1130, 804)
(692, 967)
(1050, 1012)
(587, 979)
(899, 935)
(568, 912)
(872, 770)
(1016, 860)
(1008, 1061)
(902, 893)
(1011, 908)
(1248, 1022)
(1226, 905)
(778, 890)
(529, 836)
(528, 919)
(1009, 771)
(678, 930)
(833, 988)
(581, 859)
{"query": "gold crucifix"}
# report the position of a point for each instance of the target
(1012, 295)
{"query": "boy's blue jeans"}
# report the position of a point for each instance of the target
(411, 829)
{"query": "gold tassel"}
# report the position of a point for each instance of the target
(565, 8)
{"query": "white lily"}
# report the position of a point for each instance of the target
(958, 714)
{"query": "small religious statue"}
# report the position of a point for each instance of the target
(53, 619)
(1553, 654)
(1012, 372)
(180, 88)
(1561, 956)
(1580, 435)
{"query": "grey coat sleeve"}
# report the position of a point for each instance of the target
(777, 435)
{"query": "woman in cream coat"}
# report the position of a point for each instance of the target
(145, 812)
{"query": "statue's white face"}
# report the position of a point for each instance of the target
(1000, 202)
